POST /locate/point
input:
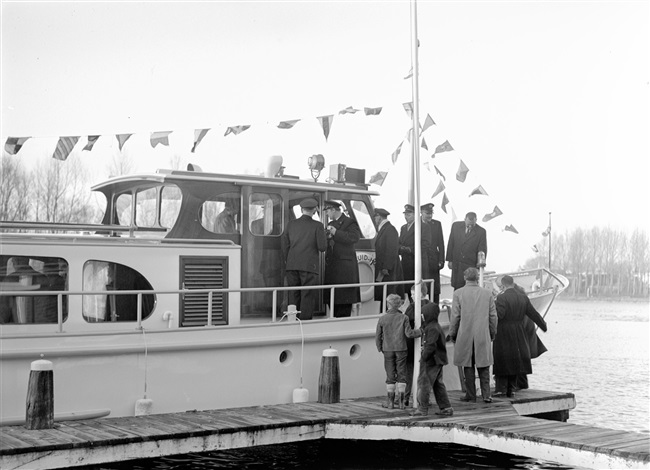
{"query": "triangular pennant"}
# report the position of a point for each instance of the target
(63, 147)
(408, 107)
(14, 144)
(461, 174)
(349, 110)
(445, 201)
(495, 213)
(424, 144)
(409, 133)
(444, 147)
(287, 124)
(160, 137)
(92, 140)
(441, 175)
(378, 178)
(510, 228)
(478, 191)
(454, 218)
(396, 153)
(198, 137)
(326, 124)
(426, 165)
(372, 111)
(122, 138)
(428, 122)
(439, 189)
(236, 129)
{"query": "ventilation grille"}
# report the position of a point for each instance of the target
(204, 273)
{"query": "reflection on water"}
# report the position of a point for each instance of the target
(597, 350)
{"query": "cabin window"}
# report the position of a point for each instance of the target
(265, 214)
(170, 205)
(29, 274)
(363, 219)
(123, 209)
(146, 208)
(107, 276)
(222, 214)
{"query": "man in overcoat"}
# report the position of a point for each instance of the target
(407, 246)
(473, 326)
(302, 242)
(387, 262)
(511, 347)
(466, 239)
(341, 265)
(436, 252)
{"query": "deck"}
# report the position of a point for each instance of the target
(506, 425)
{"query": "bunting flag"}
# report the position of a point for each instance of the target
(510, 228)
(63, 147)
(546, 232)
(378, 178)
(444, 147)
(445, 201)
(478, 191)
(439, 189)
(122, 138)
(349, 110)
(409, 133)
(236, 129)
(161, 137)
(441, 175)
(410, 74)
(454, 218)
(495, 213)
(461, 174)
(408, 107)
(396, 153)
(92, 140)
(326, 124)
(428, 122)
(534, 248)
(288, 124)
(372, 111)
(426, 165)
(198, 137)
(14, 144)
(424, 144)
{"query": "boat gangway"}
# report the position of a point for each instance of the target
(511, 425)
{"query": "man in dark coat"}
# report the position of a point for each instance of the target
(511, 348)
(436, 252)
(407, 246)
(302, 242)
(341, 265)
(466, 239)
(387, 263)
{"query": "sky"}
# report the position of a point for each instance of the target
(546, 103)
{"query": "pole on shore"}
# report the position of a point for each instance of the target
(39, 412)
(329, 381)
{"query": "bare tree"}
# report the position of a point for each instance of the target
(14, 190)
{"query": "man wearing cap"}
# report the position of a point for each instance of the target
(387, 262)
(466, 239)
(301, 242)
(341, 259)
(407, 246)
(436, 253)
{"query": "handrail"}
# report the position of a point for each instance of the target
(79, 227)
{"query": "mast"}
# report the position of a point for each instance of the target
(549, 241)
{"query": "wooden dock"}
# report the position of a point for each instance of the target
(506, 425)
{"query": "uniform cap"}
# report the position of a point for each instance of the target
(332, 205)
(308, 203)
(409, 208)
(427, 207)
(382, 212)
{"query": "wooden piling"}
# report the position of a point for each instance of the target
(40, 396)
(329, 381)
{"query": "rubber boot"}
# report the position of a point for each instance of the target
(401, 390)
(390, 400)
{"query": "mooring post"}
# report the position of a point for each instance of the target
(40, 396)
(329, 382)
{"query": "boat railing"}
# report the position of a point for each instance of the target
(72, 227)
(210, 292)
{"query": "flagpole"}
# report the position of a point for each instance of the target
(415, 177)
(549, 241)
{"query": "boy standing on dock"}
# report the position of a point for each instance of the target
(434, 357)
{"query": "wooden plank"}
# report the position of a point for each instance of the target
(8, 441)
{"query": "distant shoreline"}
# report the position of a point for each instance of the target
(604, 299)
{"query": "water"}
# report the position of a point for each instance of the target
(597, 350)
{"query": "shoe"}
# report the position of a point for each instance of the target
(468, 399)
(510, 395)
(419, 413)
(487, 400)
(445, 412)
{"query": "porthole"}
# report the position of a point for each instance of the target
(355, 351)
(286, 358)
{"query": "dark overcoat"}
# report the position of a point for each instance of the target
(462, 250)
(407, 249)
(341, 265)
(387, 257)
(302, 242)
(511, 347)
(434, 346)
(435, 254)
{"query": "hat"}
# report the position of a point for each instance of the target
(382, 212)
(427, 207)
(308, 203)
(409, 208)
(332, 205)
